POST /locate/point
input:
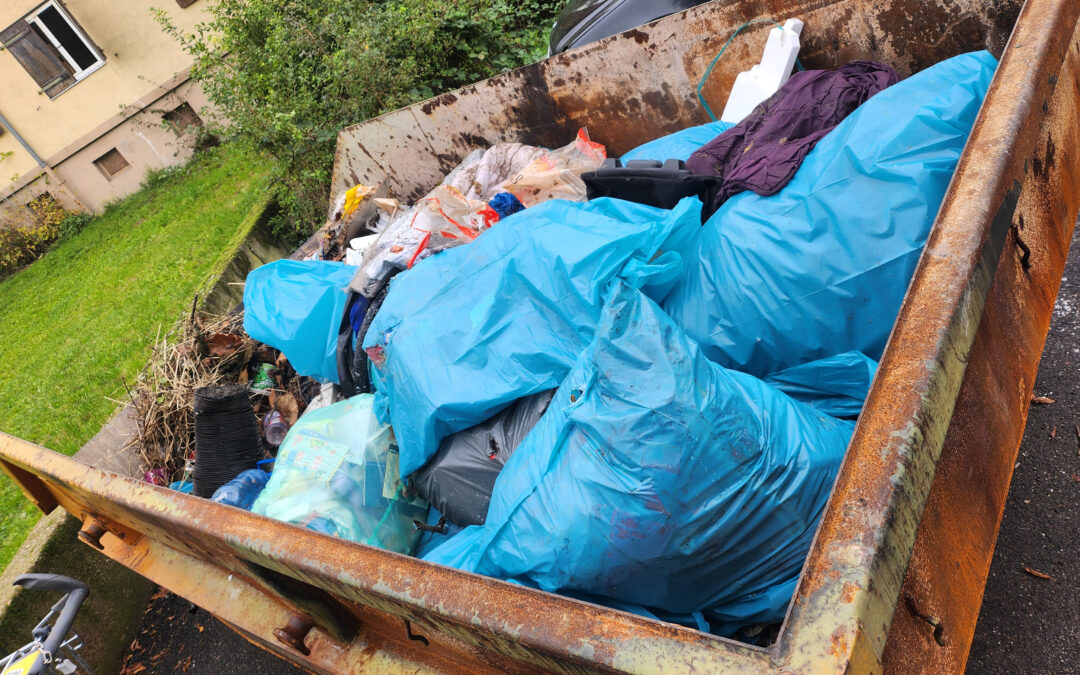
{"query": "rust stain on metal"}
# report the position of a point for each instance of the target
(91, 532)
(293, 633)
(955, 541)
(874, 514)
(32, 486)
(848, 594)
(838, 644)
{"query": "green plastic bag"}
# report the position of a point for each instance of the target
(337, 473)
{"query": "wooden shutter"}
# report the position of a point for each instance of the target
(37, 57)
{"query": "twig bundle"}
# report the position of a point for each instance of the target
(184, 359)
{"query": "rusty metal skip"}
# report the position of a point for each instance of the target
(896, 574)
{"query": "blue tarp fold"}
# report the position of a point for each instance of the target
(835, 385)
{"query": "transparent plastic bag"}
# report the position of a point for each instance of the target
(441, 220)
(398, 247)
(337, 473)
(482, 173)
(556, 174)
(452, 219)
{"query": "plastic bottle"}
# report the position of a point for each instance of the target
(763, 80)
(242, 490)
(274, 428)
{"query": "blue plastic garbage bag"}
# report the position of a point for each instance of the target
(296, 306)
(679, 145)
(657, 478)
(835, 385)
(467, 332)
(821, 267)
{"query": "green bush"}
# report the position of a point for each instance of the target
(17, 248)
(74, 223)
(21, 244)
(288, 76)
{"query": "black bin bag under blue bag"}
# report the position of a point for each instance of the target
(658, 479)
(821, 267)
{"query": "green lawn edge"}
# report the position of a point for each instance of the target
(66, 342)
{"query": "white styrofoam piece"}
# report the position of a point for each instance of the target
(354, 255)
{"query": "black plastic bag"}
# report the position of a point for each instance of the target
(459, 479)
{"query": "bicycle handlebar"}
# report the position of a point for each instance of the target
(76, 592)
(50, 582)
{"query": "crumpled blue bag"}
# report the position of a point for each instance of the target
(467, 332)
(835, 385)
(296, 307)
(821, 267)
(679, 145)
(659, 479)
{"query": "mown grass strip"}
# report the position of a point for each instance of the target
(86, 313)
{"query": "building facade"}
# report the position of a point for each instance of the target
(92, 94)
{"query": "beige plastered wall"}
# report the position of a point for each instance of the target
(143, 142)
(118, 106)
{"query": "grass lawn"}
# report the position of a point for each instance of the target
(87, 312)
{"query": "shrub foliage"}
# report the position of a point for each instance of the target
(289, 75)
(23, 242)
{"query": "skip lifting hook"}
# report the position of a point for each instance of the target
(1025, 252)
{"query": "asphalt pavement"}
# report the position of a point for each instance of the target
(175, 636)
(1030, 617)
(1028, 623)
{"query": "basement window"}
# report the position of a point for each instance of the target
(182, 118)
(51, 46)
(111, 163)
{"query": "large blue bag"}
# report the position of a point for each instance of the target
(679, 145)
(297, 307)
(821, 267)
(659, 479)
(835, 385)
(467, 332)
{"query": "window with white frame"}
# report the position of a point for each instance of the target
(52, 47)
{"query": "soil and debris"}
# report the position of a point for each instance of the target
(175, 636)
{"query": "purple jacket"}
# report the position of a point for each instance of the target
(763, 152)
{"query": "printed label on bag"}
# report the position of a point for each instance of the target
(392, 480)
(392, 475)
(318, 457)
